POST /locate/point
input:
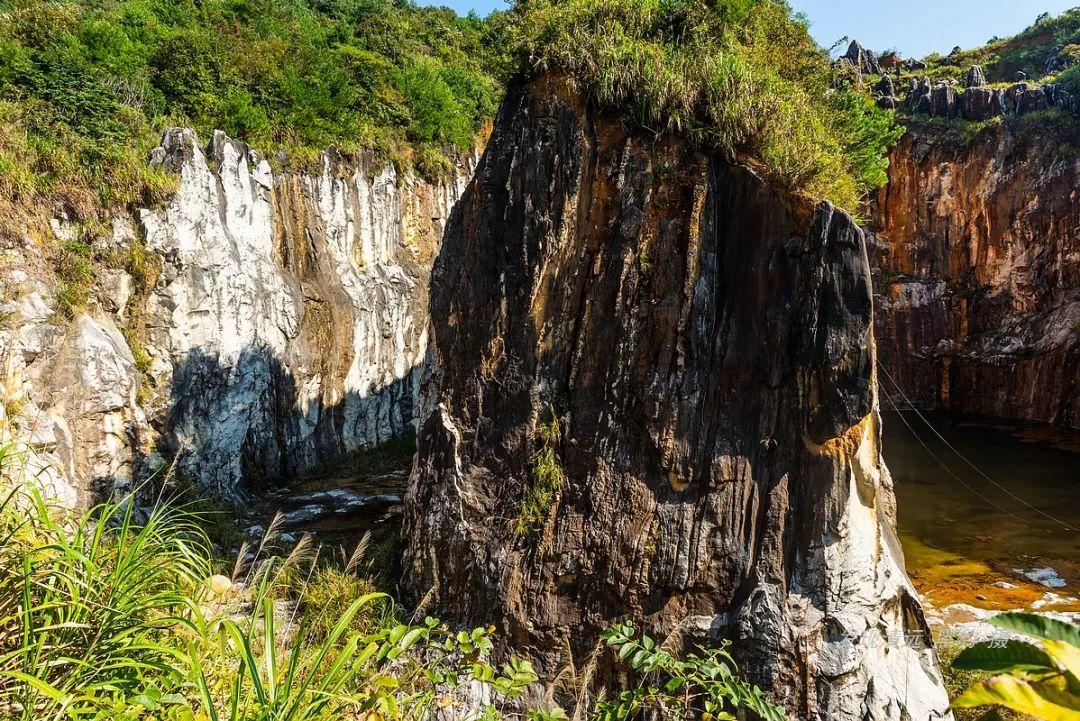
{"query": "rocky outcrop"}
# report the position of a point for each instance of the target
(975, 77)
(285, 323)
(981, 103)
(885, 93)
(864, 61)
(702, 344)
(977, 273)
(976, 101)
(67, 388)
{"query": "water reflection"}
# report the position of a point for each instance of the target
(963, 536)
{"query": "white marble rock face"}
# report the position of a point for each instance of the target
(287, 325)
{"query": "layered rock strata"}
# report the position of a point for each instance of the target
(695, 351)
(977, 272)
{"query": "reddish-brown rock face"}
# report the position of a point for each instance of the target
(705, 343)
(977, 273)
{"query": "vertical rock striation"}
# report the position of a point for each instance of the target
(286, 323)
(704, 342)
(977, 273)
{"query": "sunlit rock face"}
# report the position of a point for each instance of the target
(976, 255)
(284, 323)
(705, 343)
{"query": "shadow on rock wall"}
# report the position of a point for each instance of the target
(240, 426)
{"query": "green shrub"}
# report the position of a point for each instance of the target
(1070, 80)
(436, 115)
(76, 272)
(89, 86)
(85, 604)
(329, 593)
(704, 684)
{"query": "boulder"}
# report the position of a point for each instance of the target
(919, 96)
(943, 101)
(975, 77)
(922, 104)
(1012, 96)
(1031, 100)
(885, 93)
(982, 103)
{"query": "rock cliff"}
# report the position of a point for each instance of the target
(284, 323)
(977, 271)
(692, 350)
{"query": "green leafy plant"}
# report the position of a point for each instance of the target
(88, 87)
(1040, 679)
(114, 615)
(543, 489)
(705, 684)
(76, 273)
(85, 604)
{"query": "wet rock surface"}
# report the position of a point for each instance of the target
(704, 343)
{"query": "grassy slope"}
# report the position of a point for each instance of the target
(88, 85)
(1027, 52)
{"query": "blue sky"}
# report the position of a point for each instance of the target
(916, 27)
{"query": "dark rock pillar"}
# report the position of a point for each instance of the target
(704, 343)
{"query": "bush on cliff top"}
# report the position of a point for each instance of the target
(88, 86)
(742, 77)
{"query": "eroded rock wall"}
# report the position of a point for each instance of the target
(284, 323)
(976, 253)
(705, 344)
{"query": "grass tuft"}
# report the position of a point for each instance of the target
(542, 492)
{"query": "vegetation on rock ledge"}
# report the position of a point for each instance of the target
(1047, 51)
(88, 87)
(742, 77)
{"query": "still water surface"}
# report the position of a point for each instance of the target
(964, 536)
